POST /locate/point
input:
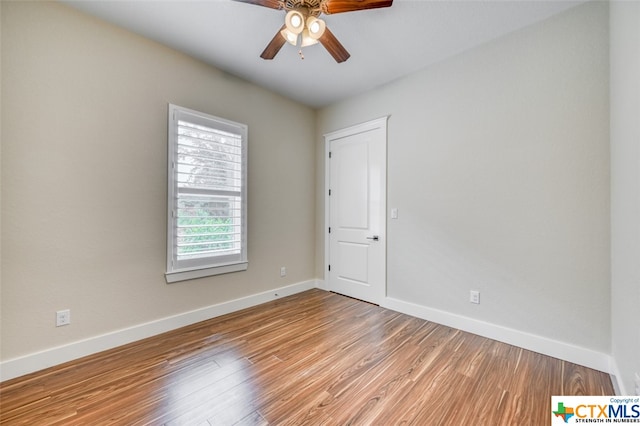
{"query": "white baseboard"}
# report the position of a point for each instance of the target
(322, 284)
(37, 361)
(54, 356)
(616, 378)
(557, 349)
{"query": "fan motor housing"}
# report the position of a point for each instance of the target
(308, 7)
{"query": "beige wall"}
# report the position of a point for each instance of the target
(84, 140)
(498, 162)
(625, 191)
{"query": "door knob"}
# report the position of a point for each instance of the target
(374, 238)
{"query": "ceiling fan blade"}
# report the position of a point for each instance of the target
(272, 4)
(340, 6)
(333, 46)
(274, 45)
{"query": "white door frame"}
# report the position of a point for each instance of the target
(381, 122)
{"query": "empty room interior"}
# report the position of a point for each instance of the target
(428, 214)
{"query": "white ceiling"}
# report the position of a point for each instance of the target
(385, 44)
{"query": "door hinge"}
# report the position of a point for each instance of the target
(329, 154)
(329, 229)
(329, 192)
(329, 267)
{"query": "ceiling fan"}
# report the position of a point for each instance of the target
(302, 25)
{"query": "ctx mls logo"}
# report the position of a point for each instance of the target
(564, 412)
(595, 409)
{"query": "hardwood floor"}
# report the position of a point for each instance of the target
(315, 358)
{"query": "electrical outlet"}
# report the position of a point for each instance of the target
(474, 297)
(63, 317)
(283, 271)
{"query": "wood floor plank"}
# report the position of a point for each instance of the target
(232, 398)
(352, 367)
(314, 358)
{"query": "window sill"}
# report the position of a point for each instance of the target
(173, 277)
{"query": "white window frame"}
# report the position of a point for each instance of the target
(234, 261)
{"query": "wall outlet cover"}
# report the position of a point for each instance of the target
(63, 317)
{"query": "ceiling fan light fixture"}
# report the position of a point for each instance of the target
(292, 38)
(315, 27)
(308, 39)
(294, 21)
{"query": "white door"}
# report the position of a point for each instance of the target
(357, 178)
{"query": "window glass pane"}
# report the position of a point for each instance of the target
(208, 158)
(207, 226)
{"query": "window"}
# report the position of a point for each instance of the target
(207, 195)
